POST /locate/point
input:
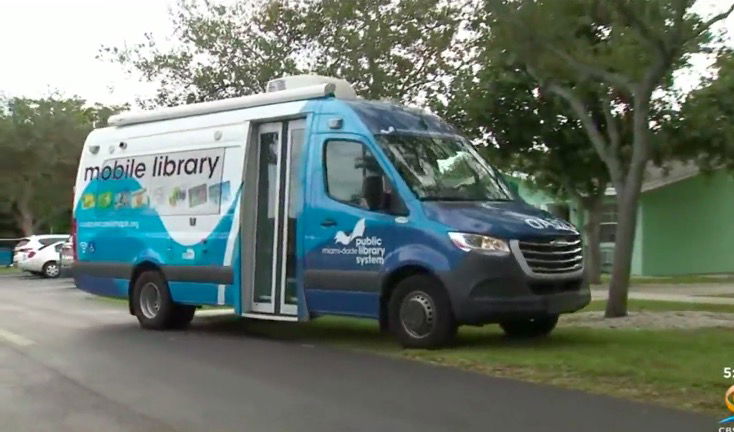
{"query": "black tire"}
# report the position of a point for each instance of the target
(160, 314)
(530, 327)
(51, 270)
(419, 313)
(182, 316)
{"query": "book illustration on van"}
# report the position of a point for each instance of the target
(104, 200)
(139, 199)
(177, 194)
(219, 192)
(159, 196)
(122, 200)
(88, 201)
(197, 195)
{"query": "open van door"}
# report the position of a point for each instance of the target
(272, 200)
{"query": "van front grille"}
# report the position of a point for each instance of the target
(553, 256)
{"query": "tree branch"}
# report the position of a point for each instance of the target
(612, 130)
(716, 18)
(595, 135)
(654, 42)
(682, 6)
(611, 78)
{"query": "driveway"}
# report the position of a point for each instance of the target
(70, 362)
(709, 293)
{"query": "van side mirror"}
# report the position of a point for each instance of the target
(395, 205)
(373, 192)
(376, 198)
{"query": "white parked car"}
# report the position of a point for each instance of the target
(45, 261)
(33, 244)
(67, 254)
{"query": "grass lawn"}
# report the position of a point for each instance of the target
(719, 295)
(683, 279)
(654, 305)
(8, 270)
(675, 368)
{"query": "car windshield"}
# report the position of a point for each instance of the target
(443, 168)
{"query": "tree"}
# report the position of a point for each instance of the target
(703, 131)
(40, 140)
(626, 50)
(404, 50)
(400, 49)
(523, 130)
(219, 51)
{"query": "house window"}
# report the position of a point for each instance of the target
(608, 227)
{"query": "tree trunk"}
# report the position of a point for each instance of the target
(24, 221)
(22, 211)
(592, 228)
(628, 199)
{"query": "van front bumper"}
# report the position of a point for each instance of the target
(489, 289)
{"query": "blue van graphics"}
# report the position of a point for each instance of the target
(187, 182)
(366, 250)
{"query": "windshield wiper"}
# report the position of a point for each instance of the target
(448, 198)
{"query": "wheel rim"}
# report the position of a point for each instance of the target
(150, 300)
(52, 270)
(417, 314)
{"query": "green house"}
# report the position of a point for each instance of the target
(685, 222)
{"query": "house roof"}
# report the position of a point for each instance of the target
(661, 176)
(657, 177)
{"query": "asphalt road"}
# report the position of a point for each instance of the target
(69, 362)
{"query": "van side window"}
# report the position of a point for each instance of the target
(353, 176)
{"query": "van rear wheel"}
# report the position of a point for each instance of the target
(420, 313)
(153, 306)
(530, 327)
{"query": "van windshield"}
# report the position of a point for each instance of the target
(443, 168)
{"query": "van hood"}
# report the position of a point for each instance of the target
(502, 219)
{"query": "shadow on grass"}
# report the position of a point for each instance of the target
(365, 334)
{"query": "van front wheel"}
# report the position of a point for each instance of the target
(420, 313)
(530, 327)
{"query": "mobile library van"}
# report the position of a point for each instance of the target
(305, 201)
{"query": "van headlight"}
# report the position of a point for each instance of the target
(481, 243)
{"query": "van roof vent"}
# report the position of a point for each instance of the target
(342, 88)
(290, 94)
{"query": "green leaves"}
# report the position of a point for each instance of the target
(40, 143)
(704, 130)
(217, 52)
(400, 50)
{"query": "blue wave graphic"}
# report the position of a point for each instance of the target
(151, 240)
(727, 420)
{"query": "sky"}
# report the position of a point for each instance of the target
(51, 45)
(48, 45)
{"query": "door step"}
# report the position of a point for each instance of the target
(270, 317)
